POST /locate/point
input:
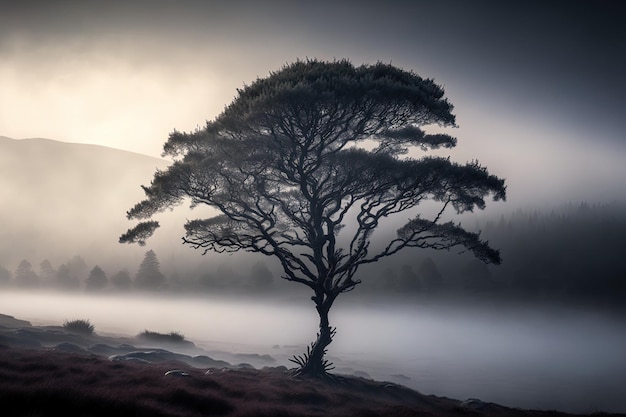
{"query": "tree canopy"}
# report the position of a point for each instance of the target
(306, 163)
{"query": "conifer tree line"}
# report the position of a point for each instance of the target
(75, 274)
(572, 252)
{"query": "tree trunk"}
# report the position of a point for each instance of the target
(314, 363)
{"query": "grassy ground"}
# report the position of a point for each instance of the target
(47, 382)
(57, 371)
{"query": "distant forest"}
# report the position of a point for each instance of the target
(574, 253)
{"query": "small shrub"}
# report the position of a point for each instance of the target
(162, 337)
(79, 326)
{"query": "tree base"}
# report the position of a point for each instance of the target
(312, 363)
(317, 375)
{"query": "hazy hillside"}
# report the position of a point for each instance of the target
(61, 199)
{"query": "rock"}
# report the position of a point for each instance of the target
(13, 323)
(152, 356)
(125, 358)
(19, 341)
(401, 377)
(361, 374)
(212, 371)
(204, 361)
(126, 347)
(256, 356)
(244, 366)
(177, 372)
(280, 368)
(475, 404)
(103, 349)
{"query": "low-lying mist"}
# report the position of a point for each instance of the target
(521, 356)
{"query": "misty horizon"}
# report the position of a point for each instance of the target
(83, 202)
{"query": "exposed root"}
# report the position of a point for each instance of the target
(312, 363)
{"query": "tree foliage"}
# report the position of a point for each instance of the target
(25, 276)
(66, 279)
(149, 275)
(305, 164)
(47, 273)
(121, 280)
(5, 276)
(97, 279)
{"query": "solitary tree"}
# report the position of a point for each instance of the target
(305, 164)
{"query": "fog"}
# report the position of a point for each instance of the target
(537, 90)
(532, 356)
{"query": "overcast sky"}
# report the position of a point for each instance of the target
(538, 86)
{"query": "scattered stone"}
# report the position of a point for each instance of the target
(244, 366)
(126, 347)
(256, 356)
(213, 371)
(203, 361)
(177, 372)
(17, 341)
(153, 356)
(280, 368)
(401, 377)
(13, 323)
(475, 404)
(102, 349)
(124, 358)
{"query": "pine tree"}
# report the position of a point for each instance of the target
(97, 279)
(65, 279)
(47, 273)
(261, 278)
(149, 275)
(121, 280)
(25, 276)
(430, 274)
(5, 276)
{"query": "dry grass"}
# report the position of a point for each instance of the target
(44, 382)
(79, 326)
(172, 337)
